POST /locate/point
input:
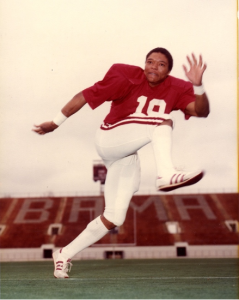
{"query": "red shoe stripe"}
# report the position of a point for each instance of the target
(171, 181)
(59, 262)
(182, 178)
(176, 179)
(59, 269)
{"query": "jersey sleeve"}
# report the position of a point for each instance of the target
(186, 96)
(114, 85)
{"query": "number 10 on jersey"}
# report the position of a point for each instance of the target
(155, 108)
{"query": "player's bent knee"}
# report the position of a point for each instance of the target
(119, 223)
(108, 224)
(119, 219)
(111, 221)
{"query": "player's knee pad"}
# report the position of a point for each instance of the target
(109, 215)
(117, 218)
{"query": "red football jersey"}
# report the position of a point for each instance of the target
(133, 100)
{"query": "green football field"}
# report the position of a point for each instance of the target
(123, 279)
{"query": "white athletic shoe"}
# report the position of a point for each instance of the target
(177, 180)
(61, 265)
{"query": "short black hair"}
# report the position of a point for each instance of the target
(166, 53)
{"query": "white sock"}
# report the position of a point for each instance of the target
(94, 231)
(162, 147)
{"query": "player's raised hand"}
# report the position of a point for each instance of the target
(196, 69)
(45, 127)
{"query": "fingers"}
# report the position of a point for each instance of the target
(189, 61)
(200, 60)
(38, 129)
(185, 69)
(194, 59)
(194, 62)
(204, 68)
(37, 126)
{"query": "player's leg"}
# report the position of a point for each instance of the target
(124, 140)
(168, 177)
(121, 141)
(118, 149)
(94, 231)
(122, 181)
(161, 140)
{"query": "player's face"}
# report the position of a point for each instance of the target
(156, 68)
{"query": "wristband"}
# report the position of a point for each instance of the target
(198, 90)
(59, 118)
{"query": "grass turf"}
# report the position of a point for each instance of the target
(123, 279)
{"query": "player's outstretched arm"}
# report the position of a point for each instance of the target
(74, 105)
(199, 108)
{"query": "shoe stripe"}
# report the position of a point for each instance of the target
(171, 181)
(176, 179)
(182, 178)
(183, 182)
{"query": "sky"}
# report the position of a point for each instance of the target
(52, 49)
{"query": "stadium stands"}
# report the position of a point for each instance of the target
(152, 221)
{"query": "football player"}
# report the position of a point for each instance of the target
(141, 103)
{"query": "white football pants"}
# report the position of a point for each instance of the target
(118, 149)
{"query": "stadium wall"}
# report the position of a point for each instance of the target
(162, 252)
